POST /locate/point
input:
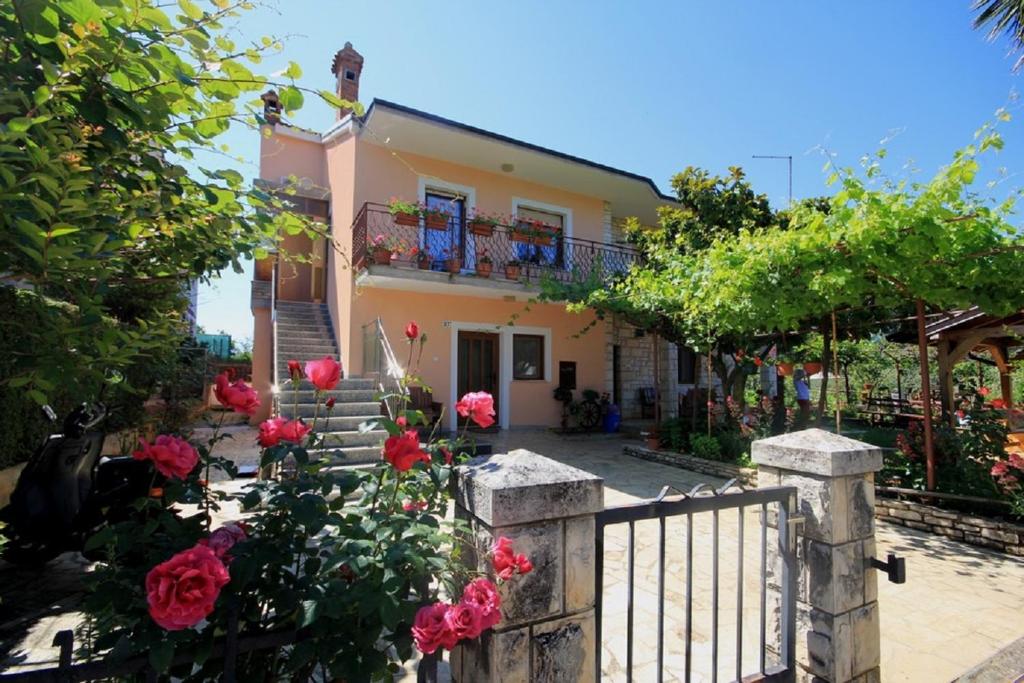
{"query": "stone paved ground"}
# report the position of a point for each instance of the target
(960, 604)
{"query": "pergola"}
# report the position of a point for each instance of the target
(965, 334)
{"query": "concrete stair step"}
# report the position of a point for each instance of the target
(304, 397)
(356, 455)
(340, 409)
(306, 350)
(346, 384)
(311, 333)
(341, 423)
(352, 439)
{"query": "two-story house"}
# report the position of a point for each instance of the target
(562, 217)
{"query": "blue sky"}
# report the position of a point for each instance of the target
(654, 87)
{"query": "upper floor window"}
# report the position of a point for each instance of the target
(540, 254)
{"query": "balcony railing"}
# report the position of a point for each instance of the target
(567, 259)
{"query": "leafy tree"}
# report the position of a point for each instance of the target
(1002, 17)
(106, 108)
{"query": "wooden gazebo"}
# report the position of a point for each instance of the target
(972, 333)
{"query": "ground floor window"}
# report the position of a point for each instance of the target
(527, 356)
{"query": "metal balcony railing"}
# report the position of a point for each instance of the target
(567, 259)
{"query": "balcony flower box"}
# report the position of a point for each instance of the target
(407, 219)
(481, 228)
(520, 234)
(535, 232)
(512, 270)
(484, 264)
(436, 220)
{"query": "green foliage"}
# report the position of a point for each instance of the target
(104, 104)
(704, 446)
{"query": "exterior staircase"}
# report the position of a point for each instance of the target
(304, 333)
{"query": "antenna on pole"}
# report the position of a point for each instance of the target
(789, 159)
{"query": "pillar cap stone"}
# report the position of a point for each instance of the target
(520, 487)
(816, 451)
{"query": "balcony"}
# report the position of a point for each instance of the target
(389, 250)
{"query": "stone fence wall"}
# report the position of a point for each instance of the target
(747, 476)
(979, 531)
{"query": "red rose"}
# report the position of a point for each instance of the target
(403, 451)
(401, 421)
(181, 592)
(478, 406)
(412, 331)
(324, 373)
(464, 621)
(505, 562)
(295, 370)
(270, 432)
(983, 391)
(237, 395)
(447, 455)
(172, 456)
(482, 595)
(294, 431)
(998, 404)
(414, 505)
(758, 362)
(223, 538)
(329, 403)
(430, 629)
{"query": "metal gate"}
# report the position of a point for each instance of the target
(773, 659)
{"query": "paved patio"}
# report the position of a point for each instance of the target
(960, 604)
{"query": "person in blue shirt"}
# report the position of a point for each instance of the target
(803, 398)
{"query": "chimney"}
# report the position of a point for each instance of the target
(347, 67)
(271, 107)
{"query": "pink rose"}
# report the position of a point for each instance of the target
(464, 621)
(324, 373)
(478, 406)
(430, 629)
(506, 562)
(237, 395)
(182, 591)
(172, 456)
(483, 596)
(404, 451)
(983, 391)
(270, 432)
(223, 538)
(295, 431)
(414, 505)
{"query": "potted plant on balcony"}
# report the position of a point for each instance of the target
(537, 232)
(423, 259)
(483, 224)
(381, 250)
(452, 261)
(435, 219)
(484, 264)
(512, 269)
(404, 213)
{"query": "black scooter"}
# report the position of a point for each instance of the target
(67, 490)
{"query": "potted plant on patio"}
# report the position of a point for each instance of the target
(484, 264)
(512, 269)
(435, 219)
(423, 259)
(483, 224)
(404, 213)
(381, 251)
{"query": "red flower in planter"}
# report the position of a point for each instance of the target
(172, 456)
(412, 331)
(430, 629)
(237, 395)
(324, 373)
(404, 451)
(182, 591)
(478, 406)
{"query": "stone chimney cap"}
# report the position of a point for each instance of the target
(346, 52)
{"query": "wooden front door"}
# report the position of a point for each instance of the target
(478, 364)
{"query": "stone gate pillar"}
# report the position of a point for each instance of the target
(547, 509)
(837, 621)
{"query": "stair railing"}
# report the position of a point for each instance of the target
(379, 357)
(275, 408)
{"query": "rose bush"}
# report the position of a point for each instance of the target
(340, 560)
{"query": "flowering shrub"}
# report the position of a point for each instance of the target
(342, 559)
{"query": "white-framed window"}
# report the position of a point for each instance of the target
(528, 357)
(559, 218)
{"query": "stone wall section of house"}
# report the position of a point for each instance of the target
(979, 531)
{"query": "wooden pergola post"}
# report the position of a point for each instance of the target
(926, 391)
(1000, 353)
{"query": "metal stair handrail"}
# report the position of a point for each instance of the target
(389, 370)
